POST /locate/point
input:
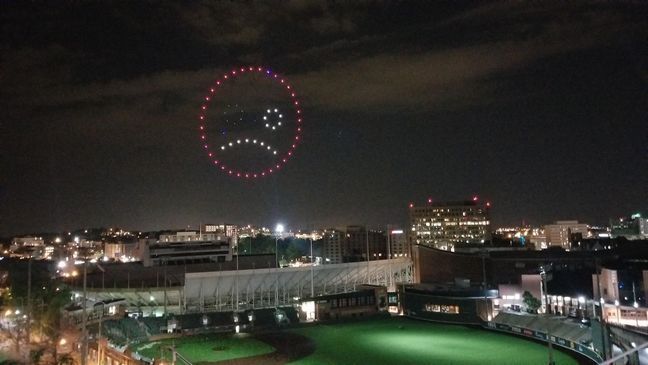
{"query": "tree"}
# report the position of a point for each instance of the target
(532, 303)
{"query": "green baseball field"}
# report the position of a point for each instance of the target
(382, 341)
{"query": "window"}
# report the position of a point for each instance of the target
(442, 308)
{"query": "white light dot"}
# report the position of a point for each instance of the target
(268, 147)
(279, 123)
(247, 140)
(238, 141)
(265, 118)
(269, 111)
(230, 144)
(222, 147)
(273, 128)
(276, 110)
(254, 141)
(280, 115)
(262, 143)
(267, 125)
(274, 153)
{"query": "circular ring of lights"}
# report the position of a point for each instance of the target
(282, 157)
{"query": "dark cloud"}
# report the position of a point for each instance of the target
(100, 101)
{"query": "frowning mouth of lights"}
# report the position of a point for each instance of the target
(273, 119)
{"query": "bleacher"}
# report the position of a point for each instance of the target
(558, 326)
(125, 330)
(129, 330)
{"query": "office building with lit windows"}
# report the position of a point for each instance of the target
(563, 233)
(446, 224)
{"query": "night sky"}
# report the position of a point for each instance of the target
(540, 108)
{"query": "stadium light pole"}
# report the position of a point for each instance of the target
(543, 275)
(278, 230)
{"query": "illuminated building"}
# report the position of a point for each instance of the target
(445, 224)
(634, 227)
(229, 230)
(563, 233)
(398, 244)
(187, 247)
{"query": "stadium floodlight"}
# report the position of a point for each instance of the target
(279, 228)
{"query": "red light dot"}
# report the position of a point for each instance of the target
(275, 75)
(475, 198)
(217, 82)
(430, 200)
(293, 95)
(411, 205)
(289, 153)
(206, 146)
(216, 162)
(246, 175)
(293, 146)
(211, 90)
(207, 98)
(254, 176)
(204, 107)
(201, 128)
(224, 76)
(270, 171)
(298, 129)
(233, 72)
(282, 81)
(202, 117)
(298, 111)
(284, 160)
(288, 87)
(277, 167)
(296, 103)
(259, 69)
(297, 137)
(251, 68)
(242, 69)
(203, 137)
(488, 204)
(210, 154)
(238, 174)
(263, 174)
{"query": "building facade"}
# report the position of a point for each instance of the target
(187, 247)
(563, 233)
(445, 224)
(634, 227)
(398, 244)
(332, 246)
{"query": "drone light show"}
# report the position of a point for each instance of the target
(250, 122)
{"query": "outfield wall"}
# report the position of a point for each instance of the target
(542, 336)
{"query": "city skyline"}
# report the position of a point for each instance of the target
(537, 108)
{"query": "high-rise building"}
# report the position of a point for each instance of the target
(398, 244)
(634, 227)
(355, 243)
(563, 233)
(361, 241)
(445, 224)
(332, 246)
